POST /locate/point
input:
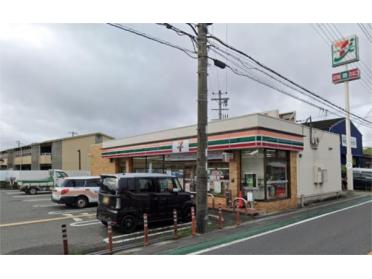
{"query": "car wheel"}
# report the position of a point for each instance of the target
(33, 191)
(81, 202)
(128, 224)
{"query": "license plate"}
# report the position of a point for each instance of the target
(106, 200)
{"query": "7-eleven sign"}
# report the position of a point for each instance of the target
(346, 76)
(345, 51)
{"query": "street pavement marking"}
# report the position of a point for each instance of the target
(41, 221)
(62, 212)
(45, 205)
(36, 200)
(275, 230)
(85, 223)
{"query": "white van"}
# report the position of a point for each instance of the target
(77, 191)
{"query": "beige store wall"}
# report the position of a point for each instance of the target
(70, 155)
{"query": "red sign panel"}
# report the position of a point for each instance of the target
(346, 76)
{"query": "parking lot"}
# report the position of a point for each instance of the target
(31, 224)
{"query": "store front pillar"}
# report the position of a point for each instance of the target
(234, 174)
(129, 164)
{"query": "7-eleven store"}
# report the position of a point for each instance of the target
(255, 153)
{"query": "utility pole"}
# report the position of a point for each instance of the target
(221, 101)
(201, 163)
(79, 158)
(73, 133)
(20, 165)
(349, 156)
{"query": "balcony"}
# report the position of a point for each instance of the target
(24, 160)
(45, 159)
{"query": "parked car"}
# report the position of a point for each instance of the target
(43, 184)
(124, 198)
(77, 191)
(362, 179)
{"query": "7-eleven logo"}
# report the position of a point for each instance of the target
(345, 51)
(180, 146)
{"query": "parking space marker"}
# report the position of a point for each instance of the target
(85, 223)
(36, 200)
(37, 221)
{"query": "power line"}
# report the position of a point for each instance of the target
(366, 82)
(235, 71)
(364, 65)
(365, 31)
(285, 78)
(131, 30)
(255, 78)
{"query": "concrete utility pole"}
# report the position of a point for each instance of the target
(349, 156)
(20, 166)
(221, 101)
(201, 164)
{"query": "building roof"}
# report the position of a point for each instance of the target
(237, 123)
(60, 139)
(324, 125)
(75, 137)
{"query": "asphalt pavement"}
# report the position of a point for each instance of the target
(347, 232)
(341, 227)
(31, 225)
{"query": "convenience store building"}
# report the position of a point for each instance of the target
(278, 160)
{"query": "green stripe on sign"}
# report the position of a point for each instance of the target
(210, 143)
(276, 140)
(159, 148)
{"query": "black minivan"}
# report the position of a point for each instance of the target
(124, 198)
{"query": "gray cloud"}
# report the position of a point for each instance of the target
(55, 78)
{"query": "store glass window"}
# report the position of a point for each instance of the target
(252, 173)
(218, 177)
(139, 164)
(277, 181)
(155, 164)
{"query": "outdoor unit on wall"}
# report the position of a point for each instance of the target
(318, 175)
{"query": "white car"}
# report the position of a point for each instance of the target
(77, 191)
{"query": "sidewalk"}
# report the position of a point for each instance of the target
(250, 226)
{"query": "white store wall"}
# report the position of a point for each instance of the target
(326, 156)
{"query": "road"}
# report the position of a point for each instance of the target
(344, 232)
(32, 225)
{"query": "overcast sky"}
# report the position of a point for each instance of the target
(56, 78)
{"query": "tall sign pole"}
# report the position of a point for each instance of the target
(345, 51)
(349, 156)
(201, 163)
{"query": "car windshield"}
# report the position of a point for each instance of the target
(110, 182)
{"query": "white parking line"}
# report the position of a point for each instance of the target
(45, 205)
(275, 230)
(36, 200)
(62, 212)
(85, 223)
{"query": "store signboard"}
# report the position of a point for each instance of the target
(353, 141)
(346, 76)
(345, 51)
(180, 146)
